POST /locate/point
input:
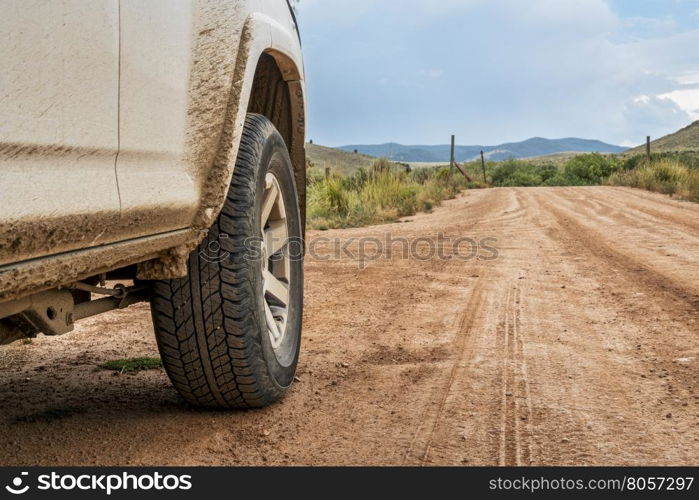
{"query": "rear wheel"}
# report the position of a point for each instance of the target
(229, 332)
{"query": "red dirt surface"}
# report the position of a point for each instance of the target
(578, 345)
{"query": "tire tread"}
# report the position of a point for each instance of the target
(206, 323)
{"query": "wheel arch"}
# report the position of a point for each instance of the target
(277, 93)
(261, 64)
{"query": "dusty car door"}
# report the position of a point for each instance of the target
(159, 191)
(59, 87)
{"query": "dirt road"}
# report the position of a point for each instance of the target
(578, 344)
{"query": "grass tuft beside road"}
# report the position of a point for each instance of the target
(132, 365)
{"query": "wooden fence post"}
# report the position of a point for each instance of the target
(452, 159)
(648, 148)
(485, 179)
(463, 172)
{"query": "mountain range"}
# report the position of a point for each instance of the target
(536, 146)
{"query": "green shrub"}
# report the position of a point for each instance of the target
(548, 171)
(504, 171)
(558, 179)
(523, 178)
(590, 169)
(520, 173)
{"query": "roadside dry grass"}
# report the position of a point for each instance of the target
(665, 176)
(381, 194)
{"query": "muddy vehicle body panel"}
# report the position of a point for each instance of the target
(120, 123)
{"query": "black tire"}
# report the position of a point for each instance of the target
(210, 326)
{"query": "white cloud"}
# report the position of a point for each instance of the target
(416, 71)
(686, 99)
(652, 115)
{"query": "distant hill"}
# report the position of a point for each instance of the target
(686, 139)
(339, 161)
(554, 158)
(536, 146)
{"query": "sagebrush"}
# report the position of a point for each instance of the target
(383, 193)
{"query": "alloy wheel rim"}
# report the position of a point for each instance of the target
(276, 266)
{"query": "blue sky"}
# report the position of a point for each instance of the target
(494, 71)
